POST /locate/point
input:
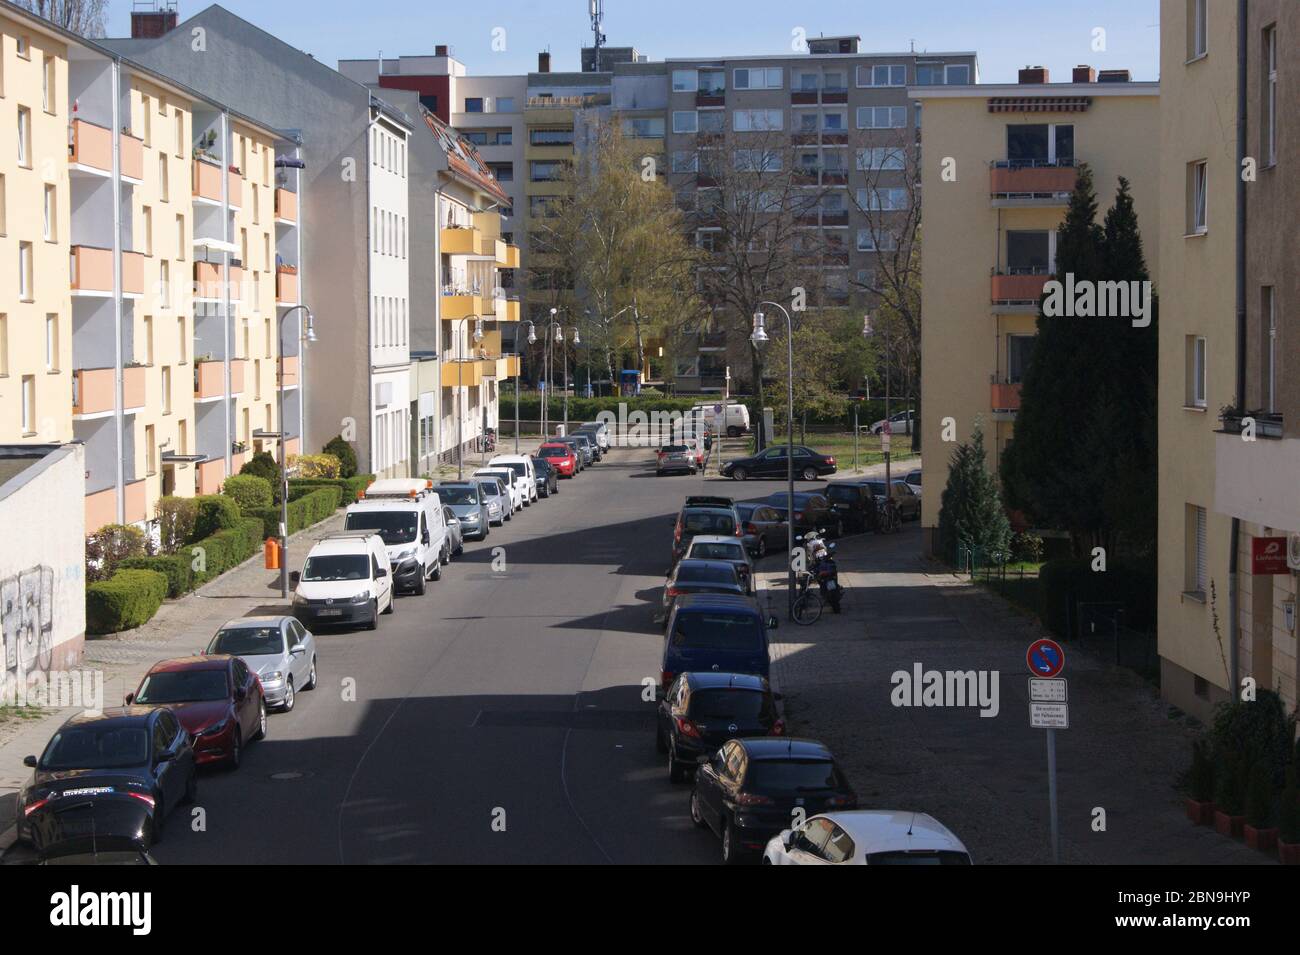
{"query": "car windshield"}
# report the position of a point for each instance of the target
(458, 495)
(394, 527)
(97, 747)
(690, 572)
(337, 567)
(554, 452)
(842, 493)
(791, 775)
(490, 488)
(183, 686)
(519, 468)
(672, 449)
(729, 703)
(918, 858)
(713, 551)
(710, 522)
(248, 641)
(718, 631)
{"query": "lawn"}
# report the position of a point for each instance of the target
(839, 445)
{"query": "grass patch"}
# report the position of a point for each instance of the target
(16, 714)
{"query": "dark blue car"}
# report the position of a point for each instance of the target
(716, 633)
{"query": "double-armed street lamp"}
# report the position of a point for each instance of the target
(760, 338)
(306, 336)
(560, 340)
(532, 340)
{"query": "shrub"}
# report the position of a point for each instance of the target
(348, 487)
(249, 491)
(1200, 777)
(215, 512)
(175, 567)
(1259, 797)
(971, 512)
(125, 601)
(343, 451)
(228, 548)
(110, 545)
(1259, 731)
(311, 508)
(1067, 582)
(176, 517)
(263, 465)
(1027, 547)
(315, 465)
(1288, 813)
(1229, 783)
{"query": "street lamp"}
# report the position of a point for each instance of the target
(760, 338)
(886, 428)
(306, 335)
(532, 340)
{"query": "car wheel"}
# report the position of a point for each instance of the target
(810, 474)
(311, 677)
(261, 721)
(739, 474)
(676, 770)
(731, 854)
(762, 546)
(420, 586)
(290, 697)
(446, 554)
(697, 816)
(437, 569)
(191, 788)
(392, 603)
(236, 750)
(734, 432)
(373, 623)
(460, 548)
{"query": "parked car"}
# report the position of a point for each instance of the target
(508, 481)
(455, 533)
(345, 580)
(913, 480)
(813, 511)
(909, 503)
(580, 451)
(280, 650)
(217, 698)
(407, 514)
(701, 711)
(110, 777)
(696, 448)
(855, 504)
(701, 577)
(729, 548)
(867, 837)
(562, 457)
(723, 632)
(772, 462)
(704, 515)
(675, 459)
(900, 423)
(587, 444)
(748, 791)
(525, 477)
(764, 527)
(734, 422)
(468, 502)
(546, 476)
(497, 498)
(599, 430)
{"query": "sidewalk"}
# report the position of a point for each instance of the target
(181, 627)
(983, 777)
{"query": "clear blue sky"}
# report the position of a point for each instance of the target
(1007, 34)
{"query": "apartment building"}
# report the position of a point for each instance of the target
(1229, 509)
(349, 172)
(125, 195)
(1002, 162)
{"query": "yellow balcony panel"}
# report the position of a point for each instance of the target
(92, 391)
(207, 180)
(459, 241)
(209, 279)
(235, 188)
(286, 205)
(286, 288)
(211, 475)
(237, 366)
(461, 306)
(493, 248)
(136, 502)
(510, 313)
(209, 380)
(467, 373)
(101, 509)
(132, 273)
(132, 157)
(511, 258)
(91, 147)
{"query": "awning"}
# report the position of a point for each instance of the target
(1039, 104)
(216, 245)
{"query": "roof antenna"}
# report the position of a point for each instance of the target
(910, 821)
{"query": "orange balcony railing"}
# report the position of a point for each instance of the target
(209, 379)
(286, 205)
(1018, 288)
(1004, 396)
(1028, 180)
(91, 146)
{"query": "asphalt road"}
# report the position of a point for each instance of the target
(499, 718)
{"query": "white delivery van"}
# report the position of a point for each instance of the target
(345, 580)
(407, 514)
(507, 476)
(736, 417)
(525, 473)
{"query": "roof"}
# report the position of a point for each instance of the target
(715, 539)
(886, 830)
(785, 748)
(463, 159)
(262, 619)
(111, 714)
(706, 680)
(1035, 90)
(716, 602)
(213, 661)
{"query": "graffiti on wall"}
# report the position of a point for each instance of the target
(27, 621)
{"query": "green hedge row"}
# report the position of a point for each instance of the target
(225, 549)
(312, 508)
(125, 601)
(177, 568)
(1064, 584)
(348, 487)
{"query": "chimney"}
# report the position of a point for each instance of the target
(1083, 73)
(440, 50)
(1033, 74)
(544, 62)
(1114, 76)
(154, 20)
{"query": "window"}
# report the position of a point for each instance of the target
(712, 121)
(182, 349)
(1020, 350)
(166, 390)
(686, 81)
(882, 117)
(880, 157)
(162, 178)
(25, 271)
(833, 122)
(929, 74)
(473, 104)
(24, 137)
(1197, 28)
(503, 171)
(178, 133)
(4, 345)
(1197, 182)
(757, 120)
(1268, 349)
(757, 160)
(48, 99)
(870, 240)
(148, 339)
(895, 75)
(956, 74)
(545, 171)
(713, 82)
(1040, 144)
(1196, 386)
(805, 82)
(2, 204)
(880, 199)
(1030, 252)
(150, 451)
(23, 46)
(505, 104)
(181, 242)
(1269, 112)
(165, 281)
(51, 215)
(648, 128)
(685, 161)
(29, 405)
(1194, 574)
(146, 218)
(685, 121)
(550, 137)
(51, 343)
(769, 78)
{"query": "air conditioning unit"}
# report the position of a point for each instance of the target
(1293, 551)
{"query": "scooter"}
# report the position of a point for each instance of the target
(828, 577)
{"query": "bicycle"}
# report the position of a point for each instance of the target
(807, 607)
(888, 520)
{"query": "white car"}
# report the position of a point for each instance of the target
(900, 423)
(867, 837)
(345, 580)
(407, 514)
(507, 478)
(525, 476)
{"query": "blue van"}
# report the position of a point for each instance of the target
(715, 633)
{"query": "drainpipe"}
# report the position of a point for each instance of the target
(119, 371)
(1234, 655)
(228, 408)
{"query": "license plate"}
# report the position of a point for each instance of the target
(331, 613)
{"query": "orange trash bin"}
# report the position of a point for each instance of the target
(272, 553)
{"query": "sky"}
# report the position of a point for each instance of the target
(1007, 34)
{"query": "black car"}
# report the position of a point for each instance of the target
(704, 515)
(115, 775)
(813, 511)
(909, 504)
(546, 477)
(597, 452)
(588, 445)
(701, 577)
(581, 451)
(764, 528)
(855, 503)
(748, 790)
(773, 462)
(701, 711)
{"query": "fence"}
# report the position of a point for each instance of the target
(1099, 628)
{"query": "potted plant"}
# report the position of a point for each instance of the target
(1259, 830)
(1229, 796)
(1288, 820)
(1200, 785)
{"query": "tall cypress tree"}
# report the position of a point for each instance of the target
(971, 511)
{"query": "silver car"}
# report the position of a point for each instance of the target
(497, 499)
(455, 533)
(280, 650)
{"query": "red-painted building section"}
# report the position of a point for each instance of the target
(435, 91)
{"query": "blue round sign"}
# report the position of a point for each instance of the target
(1045, 658)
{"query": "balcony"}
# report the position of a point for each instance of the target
(209, 476)
(101, 509)
(1018, 290)
(94, 390)
(512, 258)
(91, 147)
(209, 281)
(459, 241)
(286, 206)
(714, 97)
(462, 305)
(136, 507)
(1031, 184)
(1004, 396)
(207, 183)
(1256, 480)
(803, 97)
(132, 158)
(465, 373)
(286, 286)
(507, 310)
(237, 366)
(91, 272)
(290, 371)
(209, 380)
(835, 96)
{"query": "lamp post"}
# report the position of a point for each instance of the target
(869, 332)
(532, 340)
(460, 396)
(577, 340)
(759, 338)
(306, 335)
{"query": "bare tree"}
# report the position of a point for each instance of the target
(83, 17)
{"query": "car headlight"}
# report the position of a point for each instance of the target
(275, 676)
(299, 600)
(216, 728)
(403, 554)
(361, 597)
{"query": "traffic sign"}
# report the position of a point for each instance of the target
(884, 441)
(1047, 691)
(717, 409)
(1045, 658)
(1049, 716)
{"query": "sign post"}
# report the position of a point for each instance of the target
(1049, 709)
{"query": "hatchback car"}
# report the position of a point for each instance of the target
(113, 777)
(900, 423)
(546, 477)
(730, 549)
(589, 445)
(705, 515)
(913, 480)
(570, 442)
(909, 503)
(749, 789)
(675, 459)
(470, 505)
(701, 577)
(721, 633)
(218, 700)
(867, 837)
(773, 462)
(561, 457)
(280, 650)
(497, 499)
(813, 511)
(701, 711)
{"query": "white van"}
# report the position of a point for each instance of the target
(407, 514)
(345, 580)
(508, 478)
(737, 417)
(525, 473)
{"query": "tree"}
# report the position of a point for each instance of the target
(342, 450)
(971, 512)
(1084, 456)
(83, 17)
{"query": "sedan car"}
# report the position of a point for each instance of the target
(561, 457)
(730, 549)
(280, 650)
(900, 423)
(855, 503)
(546, 476)
(701, 577)
(587, 441)
(114, 775)
(218, 700)
(497, 499)
(773, 462)
(913, 480)
(748, 791)
(701, 711)
(764, 528)
(675, 459)
(813, 511)
(868, 837)
(909, 503)
(455, 532)
(469, 503)
(704, 515)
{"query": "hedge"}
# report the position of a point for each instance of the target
(177, 568)
(227, 548)
(1064, 584)
(125, 601)
(216, 512)
(312, 508)
(348, 487)
(249, 491)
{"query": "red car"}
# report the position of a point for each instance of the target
(217, 698)
(561, 457)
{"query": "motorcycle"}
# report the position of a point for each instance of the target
(828, 577)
